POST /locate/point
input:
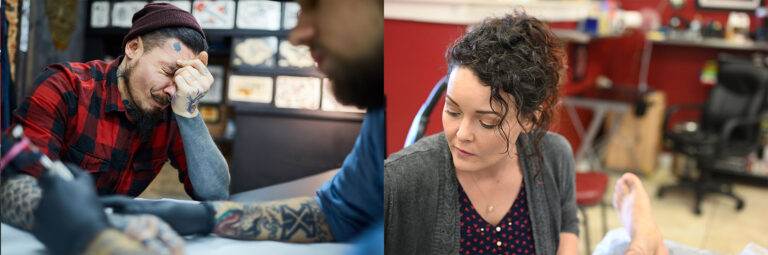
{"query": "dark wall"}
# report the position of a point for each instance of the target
(272, 147)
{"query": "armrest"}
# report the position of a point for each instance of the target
(676, 108)
(419, 124)
(732, 124)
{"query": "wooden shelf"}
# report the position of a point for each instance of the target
(269, 109)
(713, 44)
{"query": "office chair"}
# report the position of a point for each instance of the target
(728, 127)
(419, 124)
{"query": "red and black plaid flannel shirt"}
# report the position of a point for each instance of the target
(76, 114)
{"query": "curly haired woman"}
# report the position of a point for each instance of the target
(495, 181)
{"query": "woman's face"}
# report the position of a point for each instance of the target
(471, 126)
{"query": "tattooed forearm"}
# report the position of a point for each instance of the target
(113, 242)
(293, 220)
(19, 197)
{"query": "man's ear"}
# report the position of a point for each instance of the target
(134, 48)
(203, 56)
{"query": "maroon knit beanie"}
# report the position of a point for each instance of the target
(155, 16)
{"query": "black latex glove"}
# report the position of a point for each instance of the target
(69, 215)
(185, 218)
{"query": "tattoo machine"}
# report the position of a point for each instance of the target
(17, 149)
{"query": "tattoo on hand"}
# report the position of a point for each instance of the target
(192, 101)
(295, 220)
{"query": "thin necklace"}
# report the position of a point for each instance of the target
(490, 207)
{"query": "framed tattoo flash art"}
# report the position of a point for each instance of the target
(297, 92)
(295, 56)
(252, 89)
(329, 102)
(214, 14)
(254, 52)
(290, 15)
(210, 113)
(262, 15)
(214, 94)
(122, 12)
(184, 5)
(99, 14)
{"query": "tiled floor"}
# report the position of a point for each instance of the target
(720, 228)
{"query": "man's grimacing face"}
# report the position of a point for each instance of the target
(149, 73)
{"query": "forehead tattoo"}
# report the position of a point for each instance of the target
(177, 47)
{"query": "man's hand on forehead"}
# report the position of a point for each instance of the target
(200, 64)
(193, 80)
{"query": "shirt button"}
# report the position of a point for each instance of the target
(498, 229)
(498, 243)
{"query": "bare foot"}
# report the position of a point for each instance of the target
(633, 205)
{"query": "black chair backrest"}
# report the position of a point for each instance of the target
(419, 124)
(740, 93)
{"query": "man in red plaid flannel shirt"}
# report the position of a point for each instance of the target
(113, 118)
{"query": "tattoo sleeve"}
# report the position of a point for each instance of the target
(294, 220)
(19, 197)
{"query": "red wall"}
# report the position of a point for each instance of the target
(414, 61)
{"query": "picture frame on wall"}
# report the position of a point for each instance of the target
(295, 56)
(251, 89)
(740, 5)
(214, 95)
(99, 14)
(254, 52)
(214, 14)
(261, 15)
(290, 15)
(182, 4)
(210, 113)
(122, 13)
(297, 92)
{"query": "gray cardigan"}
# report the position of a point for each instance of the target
(421, 198)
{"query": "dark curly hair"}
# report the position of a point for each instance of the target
(519, 55)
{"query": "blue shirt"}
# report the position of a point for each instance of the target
(370, 242)
(352, 200)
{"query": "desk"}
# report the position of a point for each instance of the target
(713, 43)
(15, 241)
(600, 107)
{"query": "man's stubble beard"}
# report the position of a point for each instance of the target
(145, 120)
(360, 82)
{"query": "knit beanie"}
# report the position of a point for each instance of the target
(155, 16)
